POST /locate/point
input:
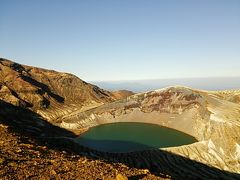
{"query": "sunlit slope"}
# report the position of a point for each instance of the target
(50, 93)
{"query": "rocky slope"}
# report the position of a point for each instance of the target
(121, 94)
(49, 93)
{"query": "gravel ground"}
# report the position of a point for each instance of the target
(22, 158)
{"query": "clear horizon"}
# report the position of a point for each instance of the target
(124, 40)
(181, 78)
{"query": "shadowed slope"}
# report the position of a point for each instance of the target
(50, 84)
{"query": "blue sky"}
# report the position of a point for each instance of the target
(124, 39)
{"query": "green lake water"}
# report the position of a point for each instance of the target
(126, 137)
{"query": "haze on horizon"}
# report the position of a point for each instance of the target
(124, 40)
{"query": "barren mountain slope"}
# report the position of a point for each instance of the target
(229, 95)
(52, 94)
(212, 120)
(121, 94)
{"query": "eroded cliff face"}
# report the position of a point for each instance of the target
(212, 119)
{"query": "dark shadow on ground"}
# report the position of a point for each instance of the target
(24, 74)
(43, 88)
(161, 163)
(112, 145)
(28, 123)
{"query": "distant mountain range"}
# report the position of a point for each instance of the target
(211, 83)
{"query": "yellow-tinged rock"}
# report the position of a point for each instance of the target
(121, 177)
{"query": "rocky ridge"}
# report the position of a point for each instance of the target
(49, 93)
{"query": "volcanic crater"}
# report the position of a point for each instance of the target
(56, 108)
